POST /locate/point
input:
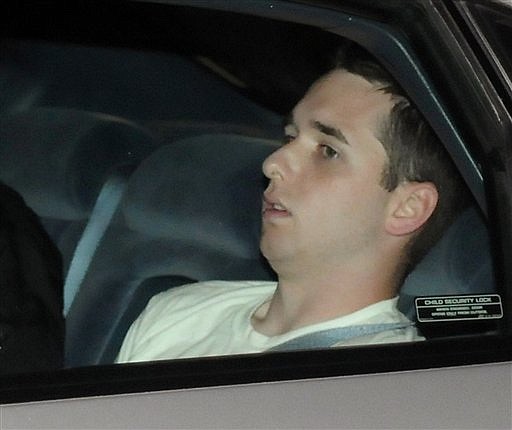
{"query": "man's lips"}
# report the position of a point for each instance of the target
(273, 208)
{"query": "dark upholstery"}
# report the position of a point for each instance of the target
(58, 160)
(460, 263)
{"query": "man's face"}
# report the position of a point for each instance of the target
(324, 204)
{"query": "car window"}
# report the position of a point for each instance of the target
(492, 27)
(140, 151)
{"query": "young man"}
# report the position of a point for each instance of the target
(358, 193)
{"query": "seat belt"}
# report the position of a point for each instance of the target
(330, 337)
(101, 215)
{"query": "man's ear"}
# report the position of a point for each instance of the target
(410, 207)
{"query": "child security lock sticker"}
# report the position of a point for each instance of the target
(459, 308)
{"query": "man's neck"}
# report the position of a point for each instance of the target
(303, 300)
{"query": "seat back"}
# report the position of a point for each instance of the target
(461, 263)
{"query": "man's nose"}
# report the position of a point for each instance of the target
(286, 162)
(273, 166)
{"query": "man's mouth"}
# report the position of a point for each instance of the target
(273, 209)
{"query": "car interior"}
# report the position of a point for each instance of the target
(144, 165)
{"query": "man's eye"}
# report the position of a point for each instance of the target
(329, 152)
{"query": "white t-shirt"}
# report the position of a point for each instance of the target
(214, 318)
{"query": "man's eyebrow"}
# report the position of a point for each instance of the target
(289, 120)
(330, 131)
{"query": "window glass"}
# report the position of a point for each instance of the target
(142, 154)
(493, 28)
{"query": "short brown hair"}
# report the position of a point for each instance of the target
(414, 151)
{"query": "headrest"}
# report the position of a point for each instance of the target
(203, 191)
(460, 263)
(57, 159)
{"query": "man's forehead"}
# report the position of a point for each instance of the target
(340, 81)
(343, 96)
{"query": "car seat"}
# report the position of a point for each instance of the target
(460, 264)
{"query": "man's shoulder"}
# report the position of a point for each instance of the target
(203, 292)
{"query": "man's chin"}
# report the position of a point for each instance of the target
(275, 254)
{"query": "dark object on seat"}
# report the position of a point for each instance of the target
(31, 322)
(190, 212)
